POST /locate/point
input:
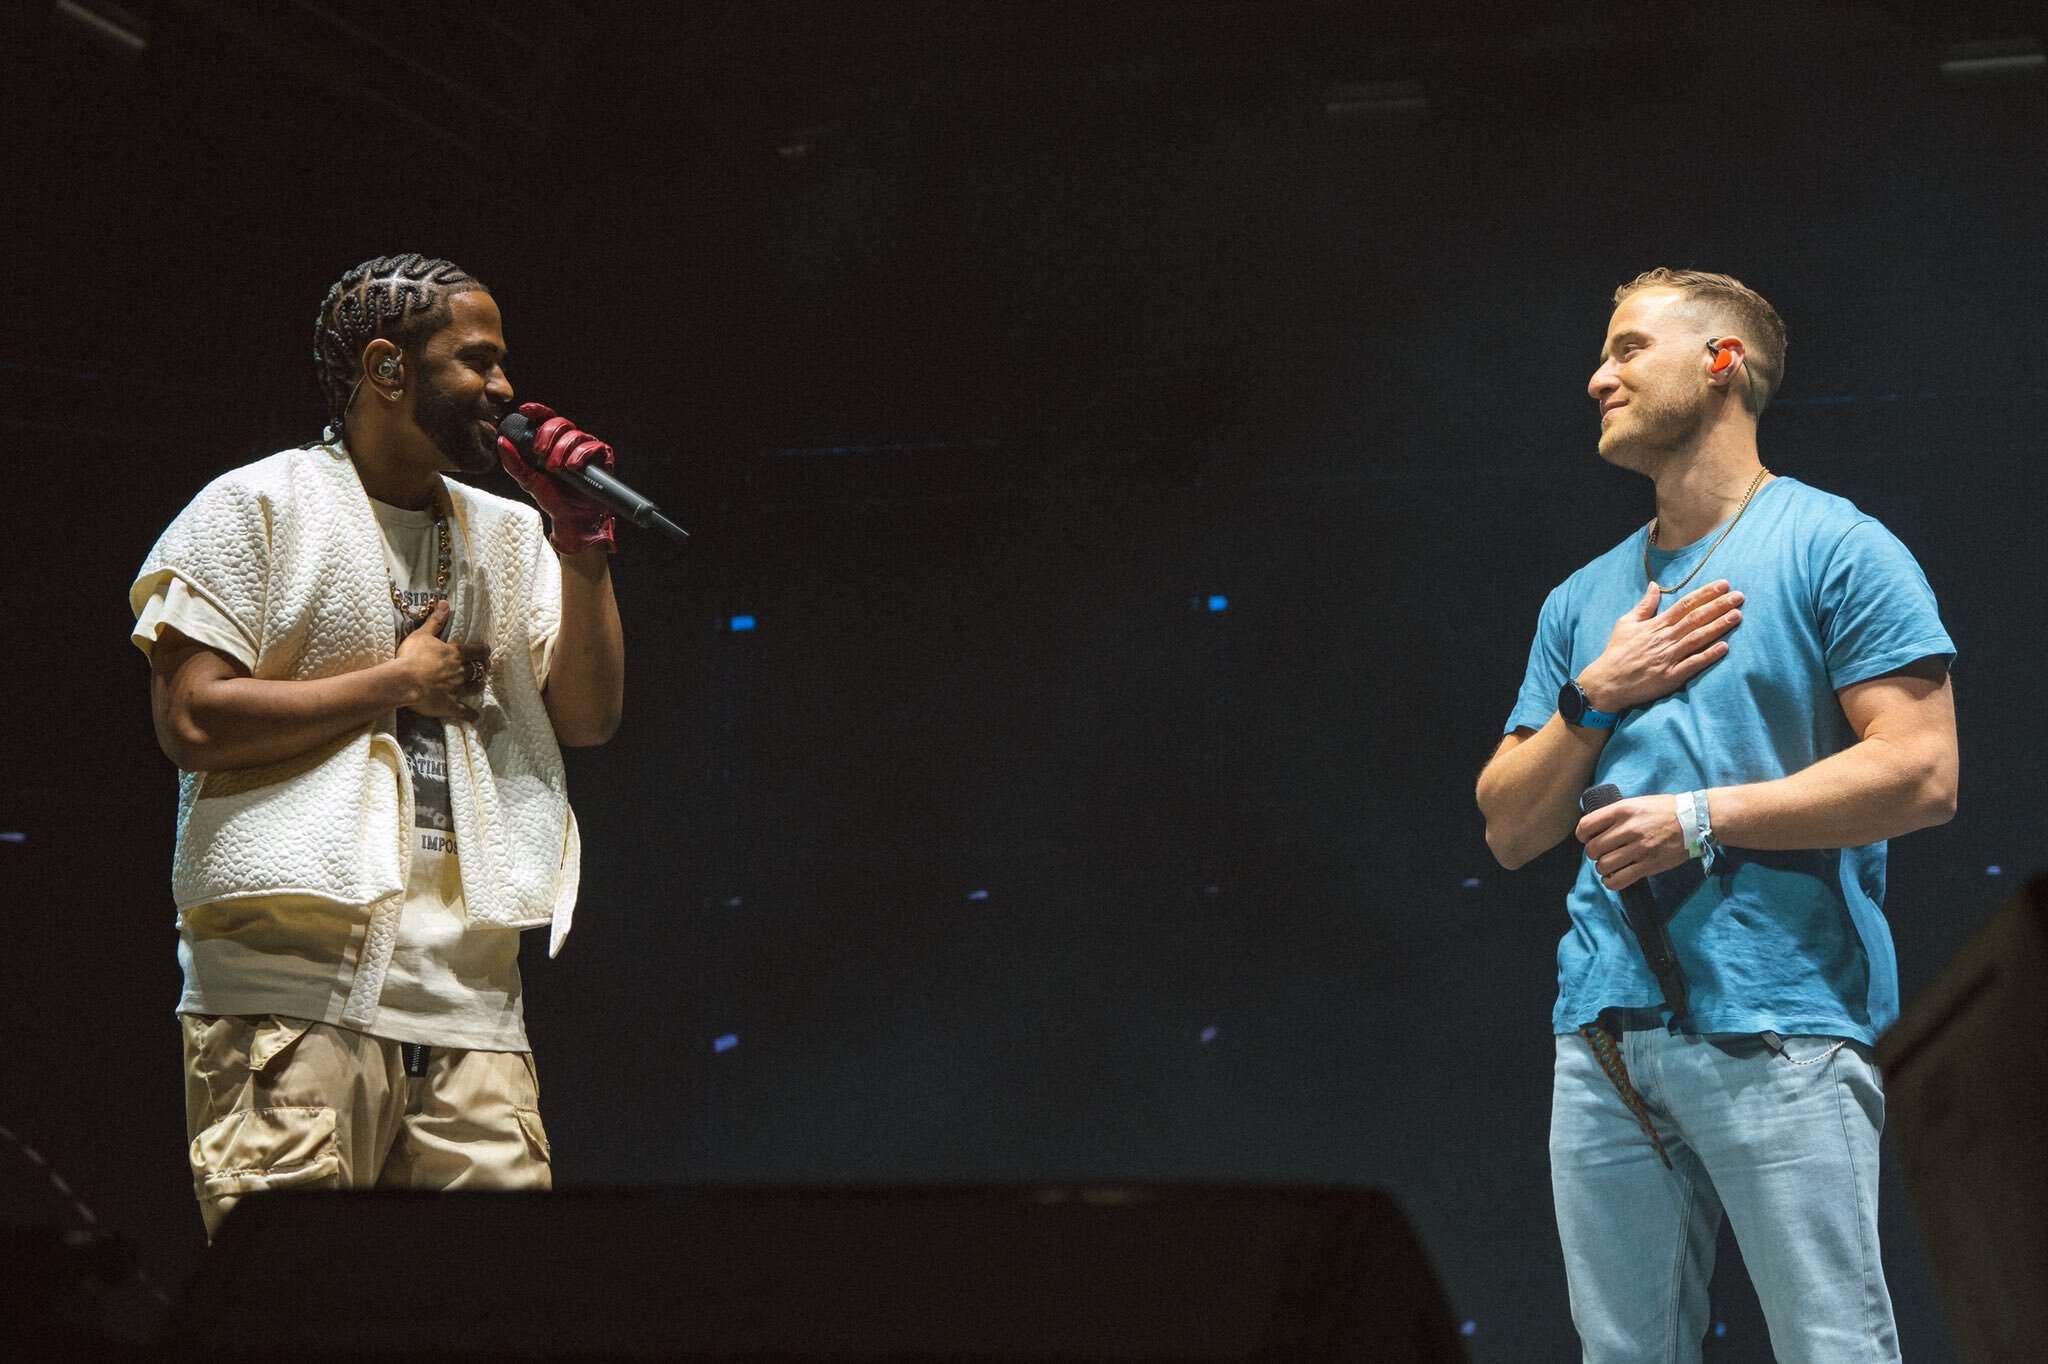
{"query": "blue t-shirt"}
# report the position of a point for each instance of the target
(1786, 942)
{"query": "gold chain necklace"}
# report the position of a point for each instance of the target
(440, 572)
(1754, 484)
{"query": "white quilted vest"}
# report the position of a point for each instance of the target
(289, 549)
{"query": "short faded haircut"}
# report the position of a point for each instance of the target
(1739, 308)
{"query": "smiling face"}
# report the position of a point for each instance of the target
(1652, 383)
(463, 389)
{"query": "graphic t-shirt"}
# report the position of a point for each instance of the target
(1786, 942)
(456, 980)
(450, 983)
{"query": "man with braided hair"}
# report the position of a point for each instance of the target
(364, 671)
(1762, 672)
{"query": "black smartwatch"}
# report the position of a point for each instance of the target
(1577, 710)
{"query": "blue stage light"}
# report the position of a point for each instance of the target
(736, 624)
(1208, 1036)
(17, 836)
(1219, 602)
(726, 1043)
(1720, 1329)
(1471, 883)
(1470, 1328)
(977, 895)
(1993, 870)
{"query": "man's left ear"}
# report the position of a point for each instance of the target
(1729, 356)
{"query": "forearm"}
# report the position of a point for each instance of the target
(586, 692)
(1530, 792)
(223, 723)
(1876, 789)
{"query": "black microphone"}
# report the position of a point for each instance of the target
(590, 480)
(1645, 919)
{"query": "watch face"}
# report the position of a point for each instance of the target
(1571, 703)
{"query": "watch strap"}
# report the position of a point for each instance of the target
(1576, 709)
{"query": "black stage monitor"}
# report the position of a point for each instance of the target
(1067, 1273)
(1966, 1082)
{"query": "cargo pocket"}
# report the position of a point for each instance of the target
(266, 1148)
(229, 1058)
(274, 1037)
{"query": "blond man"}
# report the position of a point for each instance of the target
(1762, 673)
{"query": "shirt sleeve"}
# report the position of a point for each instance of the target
(1549, 666)
(178, 607)
(1876, 611)
(217, 551)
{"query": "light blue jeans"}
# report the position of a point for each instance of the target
(1783, 1140)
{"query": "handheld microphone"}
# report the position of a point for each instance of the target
(592, 482)
(1645, 919)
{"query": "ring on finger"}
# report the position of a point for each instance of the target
(474, 670)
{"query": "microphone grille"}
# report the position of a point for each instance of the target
(1594, 797)
(514, 426)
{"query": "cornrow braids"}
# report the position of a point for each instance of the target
(403, 299)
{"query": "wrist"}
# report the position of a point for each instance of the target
(1696, 826)
(1577, 707)
(1721, 808)
(403, 685)
(574, 538)
(1600, 690)
(590, 563)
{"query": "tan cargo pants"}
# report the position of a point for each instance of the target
(281, 1103)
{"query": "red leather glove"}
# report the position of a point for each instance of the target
(575, 521)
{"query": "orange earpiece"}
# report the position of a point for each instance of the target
(1723, 357)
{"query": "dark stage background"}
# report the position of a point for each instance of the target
(981, 345)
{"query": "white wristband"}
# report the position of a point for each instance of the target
(1689, 822)
(1695, 823)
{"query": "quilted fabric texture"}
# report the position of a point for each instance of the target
(289, 550)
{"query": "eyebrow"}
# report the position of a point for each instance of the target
(1620, 337)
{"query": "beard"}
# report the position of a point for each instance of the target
(1650, 428)
(452, 426)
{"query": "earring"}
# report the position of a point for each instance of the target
(393, 395)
